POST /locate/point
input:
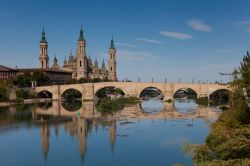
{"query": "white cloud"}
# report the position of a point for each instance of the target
(127, 55)
(125, 44)
(225, 50)
(243, 22)
(199, 25)
(149, 40)
(176, 35)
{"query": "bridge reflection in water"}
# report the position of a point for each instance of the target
(79, 122)
(85, 119)
(167, 111)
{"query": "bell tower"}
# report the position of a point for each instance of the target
(44, 58)
(112, 61)
(81, 57)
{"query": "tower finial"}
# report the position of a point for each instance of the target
(112, 44)
(55, 60)
(81, 37)
(43, 39)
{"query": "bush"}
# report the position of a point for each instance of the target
(83, 80)
(22, 94)
(3, 94)
(106, 105)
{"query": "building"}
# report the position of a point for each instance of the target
(7, 73)
(55, 76)
(77, 66)
(80, 65)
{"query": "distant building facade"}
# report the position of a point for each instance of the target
(80, 65)
(77, 66)
(55, 77)
(7, 73)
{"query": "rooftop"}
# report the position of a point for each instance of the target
(5, 68)
(45, 70)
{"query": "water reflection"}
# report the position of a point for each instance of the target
(72, 106)
(187, 106)
(77, 128)
(152, 106)
(87, 128)
(145, 110)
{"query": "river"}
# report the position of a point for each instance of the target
(149, 133)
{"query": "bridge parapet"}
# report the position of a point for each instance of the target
(88, 90)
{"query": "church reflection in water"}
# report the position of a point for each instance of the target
(79, 128)
(79, 119)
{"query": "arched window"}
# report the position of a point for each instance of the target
(42, 64)
(80, 63)
(111, 68)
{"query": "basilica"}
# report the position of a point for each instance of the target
(80, 65)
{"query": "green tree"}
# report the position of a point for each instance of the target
(229, 140)
(241, 86)
(41, 78)
(23, 81)
(105, 79)
(22, 94)
(72, 81)
(3, 92)
(83, 80)
(94, 80)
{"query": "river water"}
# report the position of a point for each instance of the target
(149, 133)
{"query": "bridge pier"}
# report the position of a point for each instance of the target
(168, 95)
(56, 91)
(88, 92)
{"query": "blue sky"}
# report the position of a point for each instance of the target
(194, 39)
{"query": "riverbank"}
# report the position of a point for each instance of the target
(25, 101)
(228, 142)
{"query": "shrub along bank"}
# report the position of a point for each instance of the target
(106, 105)
(228, 143)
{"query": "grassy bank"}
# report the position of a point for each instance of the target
(106, 105)
(228, 142)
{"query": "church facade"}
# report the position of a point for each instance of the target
(80, 65)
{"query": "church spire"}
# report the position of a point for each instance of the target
(103, 65)
(43, 39)
(112, 45)
(55, 60)
(96, 62)
(81, 37)
(65, 61)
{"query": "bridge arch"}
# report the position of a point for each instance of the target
(222, 93)
(153, 90)
(106, 90)
(71, 92)
(220, 89)
(44, 94)
(185, 92)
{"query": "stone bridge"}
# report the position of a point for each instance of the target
(88, 90)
